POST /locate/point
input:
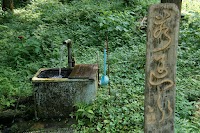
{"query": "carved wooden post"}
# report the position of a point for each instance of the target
(162, 41)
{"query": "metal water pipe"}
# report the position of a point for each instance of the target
(68, 43)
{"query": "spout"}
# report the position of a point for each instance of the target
(68, 43)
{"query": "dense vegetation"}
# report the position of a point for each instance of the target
(31, 37)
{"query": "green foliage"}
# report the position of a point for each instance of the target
(188, 78)
(83, 111)
(44, 25)
(12, 86)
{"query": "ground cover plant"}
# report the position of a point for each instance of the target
(31, 38)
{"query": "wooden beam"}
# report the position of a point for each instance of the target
(161, 54)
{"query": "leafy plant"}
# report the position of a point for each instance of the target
(83, 110)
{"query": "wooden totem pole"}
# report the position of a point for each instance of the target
(161, 54)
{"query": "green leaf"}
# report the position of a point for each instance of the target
(119, 28)
(80, 110)
(106, 121)
(90, 111)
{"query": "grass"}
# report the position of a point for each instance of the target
(44, 25)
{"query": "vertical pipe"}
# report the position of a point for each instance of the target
(108, 64)
(69, 46)
(98, 64)
(69, 56)
(104, 61)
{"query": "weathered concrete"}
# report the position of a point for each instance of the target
(55, 97)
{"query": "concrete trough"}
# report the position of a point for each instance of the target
(55, 97)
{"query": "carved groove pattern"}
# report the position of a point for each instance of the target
(158, 77)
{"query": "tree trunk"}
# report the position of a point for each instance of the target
(177, 2)
(7, 4)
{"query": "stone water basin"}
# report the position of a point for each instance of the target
(55, 96)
